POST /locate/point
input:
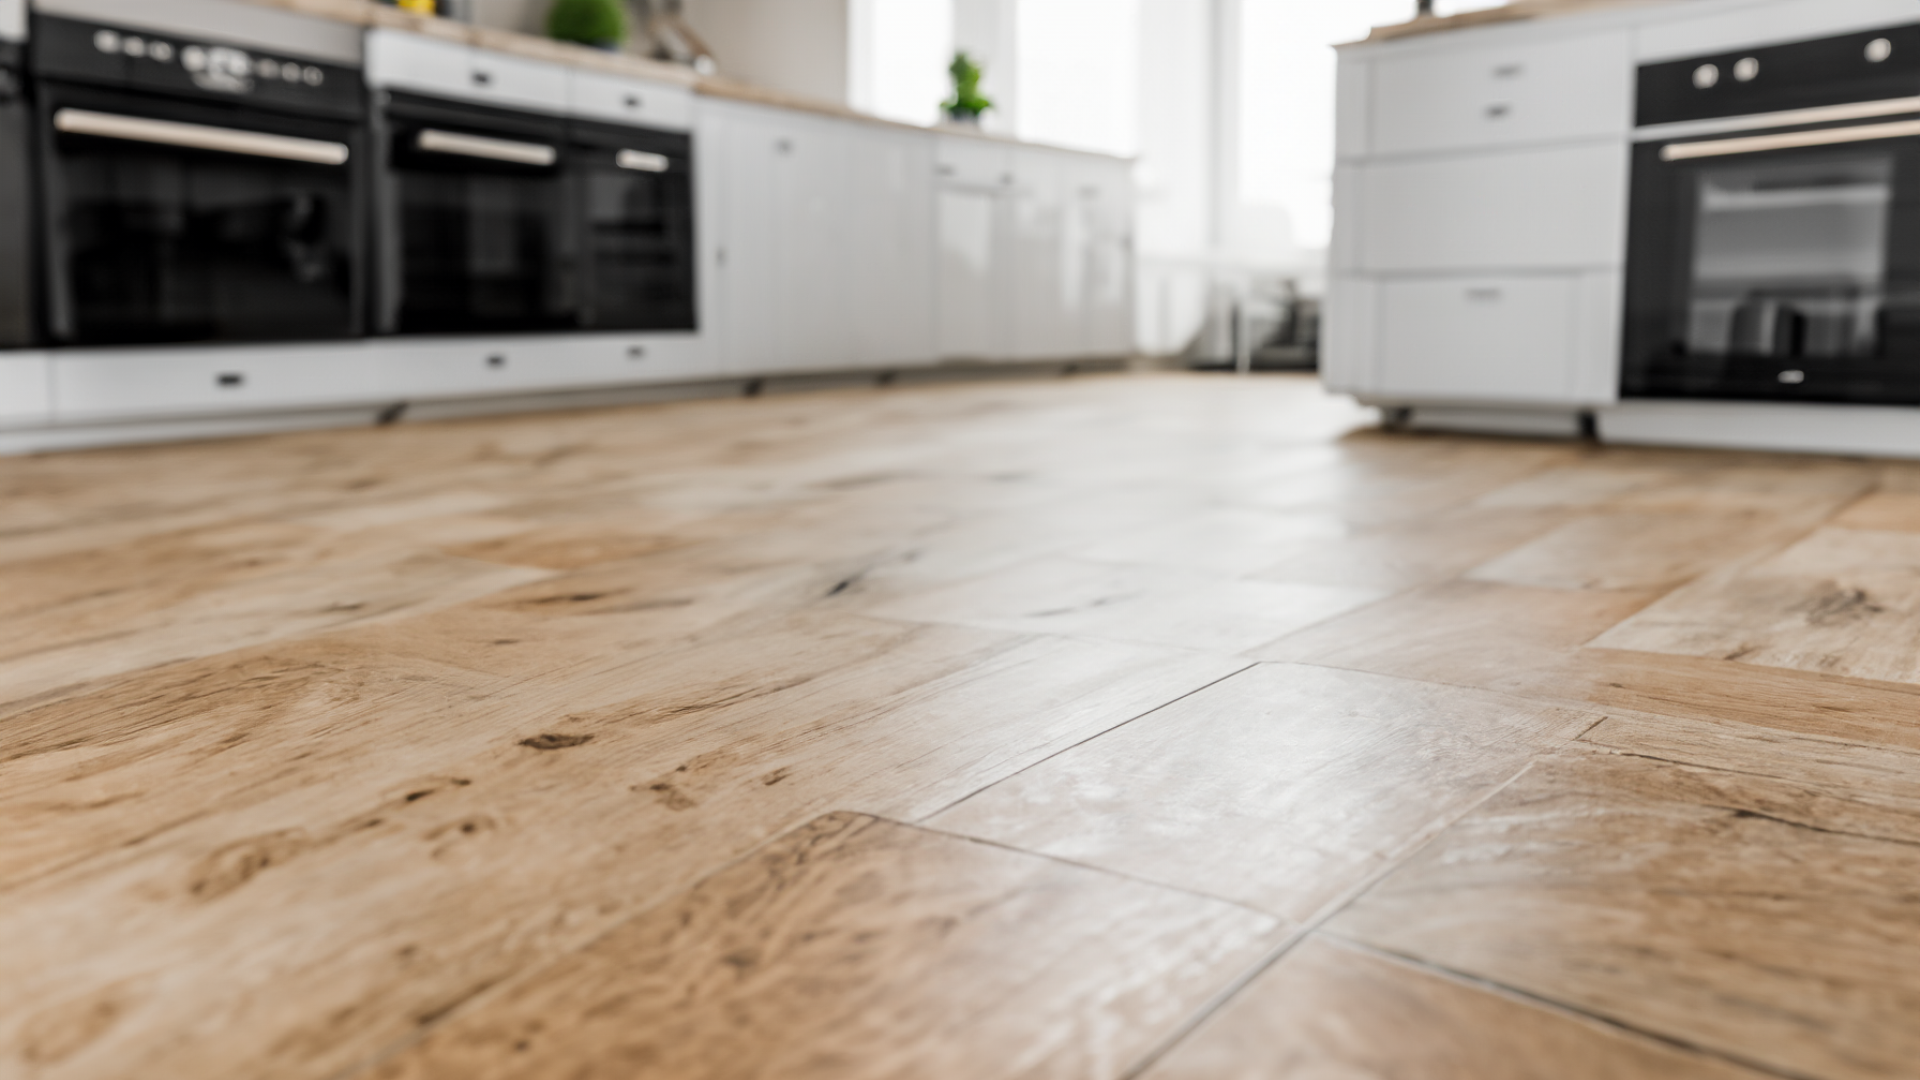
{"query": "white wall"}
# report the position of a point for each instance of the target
(898, 52)
(800, 46)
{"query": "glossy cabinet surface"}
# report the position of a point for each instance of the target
(1503, 95)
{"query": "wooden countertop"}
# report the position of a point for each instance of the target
(1513, 12)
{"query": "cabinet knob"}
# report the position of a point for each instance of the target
(1509, 71)
(496, 361)
(1498, 112)
(230, 379)
(483, 78)
(1484, 295)
(633, 101)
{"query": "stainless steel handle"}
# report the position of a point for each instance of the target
(1754, 144)
(642, 161)
(435, 141)
(199, 137)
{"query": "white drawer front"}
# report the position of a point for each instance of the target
(449, 69)
(26, 389)
(1544, 209)
(1529, 92)
(974, 162)
(411, 62)
(1477, 340)
(176, 382)
(513, 82)
(608, 97)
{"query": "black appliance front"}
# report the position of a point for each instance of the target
(475, 220)
(1777, 256)
(16, 203)
(196, 191)
(635, 200)
(504, 221)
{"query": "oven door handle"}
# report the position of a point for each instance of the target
(1754, 144)
(199, 137)
(642, 161)
(435, 141)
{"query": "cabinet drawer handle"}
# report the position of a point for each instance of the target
(483, 78)
(496, 361)
(1509, 71)
(230, 379)
(633, 101)
(636, 352)
(1484, 295)
(1498, 112)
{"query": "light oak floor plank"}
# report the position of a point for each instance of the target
(1763, 920)
(860, 948)
(1281, 788)
(1329, 1010)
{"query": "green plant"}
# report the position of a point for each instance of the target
(967, 102)
(590, 22)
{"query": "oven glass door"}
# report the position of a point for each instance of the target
(1779, 266)
(479, 222)
(175, 222)
(636, 203)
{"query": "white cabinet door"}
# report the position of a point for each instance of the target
(1556, 208)
(891, 247)
(783, 258)
(1479, 339)
(1106, 198)
(747, 171)
(1047, 253)
(974, 293)
(1447, 97)
(813, 217)
(26, 388)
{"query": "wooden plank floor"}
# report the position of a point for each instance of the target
(1128, 726)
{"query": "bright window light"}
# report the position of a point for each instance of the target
(1079, 73)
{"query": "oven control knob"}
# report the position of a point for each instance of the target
(1706, 77)
(1747, 69)
(160, 51)
(1878, 50)
(193, 58)
(106, 41)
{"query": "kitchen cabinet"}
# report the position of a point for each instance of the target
(975, 236)
(1480, 198)
(1035, 253)
(783, 265)
(891, 247)
(403, 61)
(26, 388)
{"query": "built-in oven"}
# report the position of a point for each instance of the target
(16, 201)
(633, 191)
(504, 208)
(475, 219)
(194, 190)
(1774, 244)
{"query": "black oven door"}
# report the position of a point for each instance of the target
(177, 221)
(476, 221)
(636, 206)
(1777, 265)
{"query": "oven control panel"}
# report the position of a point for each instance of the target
(140, 59)
(1872, 65)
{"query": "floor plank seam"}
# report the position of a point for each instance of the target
(1104, 731)
(1571, 1011)
(1307, 928)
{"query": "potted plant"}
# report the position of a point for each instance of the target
(599, 23)
(967, 103)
